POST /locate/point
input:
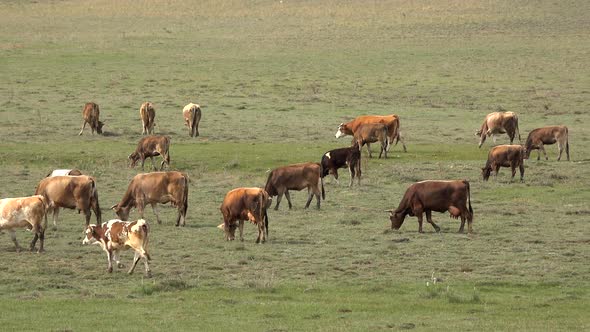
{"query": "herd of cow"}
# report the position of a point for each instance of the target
(71, 189)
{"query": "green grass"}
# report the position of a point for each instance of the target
(275, 80)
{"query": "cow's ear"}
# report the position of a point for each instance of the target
(114, 207)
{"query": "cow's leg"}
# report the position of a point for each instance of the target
(513, 169)
(496, 170)
(335, 174)
(155, 209)
(13, 237)
(279, 197)
(462, 223)
(309, 197)
(153, 164)
(419, 216)
(494, 138)
(369, 149)
(521, 168)
(110, 260)
(117, 259)
(87, 215)
(352, 174)
(241, 227)
(35, 230)
(142, 162)
(429, 219)
(401, 139)
(542, 148)
(41, 240)
(135, 260)
(317, 194)
(288, 196)
(560, 150)
(55, 215)
(83, 126)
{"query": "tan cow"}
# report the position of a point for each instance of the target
(24, 212)
(499, 123)
(192, 117)
(242, 204)
(440, 196)
(151, 146)
(504, 156)
(370, 133)
(117, 235)
(71, 192)
(540, 137)
(91, 113)
(155, 188)
(296, 177)
(391, 121)
(64, 172)
(147, 113)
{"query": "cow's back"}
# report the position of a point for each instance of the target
(438, 195)
(62, 190)
(366, 119)
(20, 211)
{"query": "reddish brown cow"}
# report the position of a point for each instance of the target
(440, 196)
(499, 123)
(391, 121)
(70, 192)
(369, 133)
(154, 188)
(344, 157)
(504, 156)
(24, 212)
(91, 113)
(245, 204)
(117, 235)
(296, 177)
(151, 146)
(540, 137)
(147, 113)
(192, 117)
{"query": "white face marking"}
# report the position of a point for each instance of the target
(328, 155)
(339, 132)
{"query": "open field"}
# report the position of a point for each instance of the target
(275, 79)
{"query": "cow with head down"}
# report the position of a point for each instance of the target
(150, 147)
(504, 156)
(440, 196)
(498, 123)
(242, 204)
(90, 115)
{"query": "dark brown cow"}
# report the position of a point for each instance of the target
(499, 123)
(154, 188)
(91, 113)
(151, 146)
(391, 121)
(24, 212)
(540, 137)
(70, 192)
(440, 196)
(296, 177)
(117, 235)
(370, 133)
(147, 113)
(192, 117)
(245, 204)
(339, 158)
(504, 156)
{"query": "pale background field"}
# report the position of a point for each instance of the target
(275, 80)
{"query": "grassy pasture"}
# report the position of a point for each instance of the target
(275, 79)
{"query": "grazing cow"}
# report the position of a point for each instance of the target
(151, 146)
(369, 133)
(71, 192)
(64, 172)
(117, 235)
(192, 116)
(154, 188)
(296, 177)
(24, 212)
(440, 196)
(391, 121)
(504, 156)
(547, 135)
(344, 157)
(245, 204)
(499, 123)
(147, 114)
(91, 113)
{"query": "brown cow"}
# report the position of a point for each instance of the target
(391, 121)
(192, 117)
(504, 156)
(64, 172)
(117, 235)
(91, 113)
(24, 212)
(147, 113)
(499, 123)
(245, 204)
(547, 135)
(154, 188)
(151, 146)
(70, 192)
(439, 196)
(369, 133)
(344, 157)
(296, 177)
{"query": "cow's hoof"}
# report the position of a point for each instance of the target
(110, 270)
(437, 230)
(41, 250)
(120, 265)
(460, 231)
(18, 249)
(148, 274)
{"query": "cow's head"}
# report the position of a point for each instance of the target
(485, 172)
(99, 127)
(90, 235)
(528, 147)
(121, 211)
(231, 232)
(133, 158)
(342, 131)
(396, 218)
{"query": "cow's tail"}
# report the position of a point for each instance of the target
(517, 130)
(468, 197)
(94, 198)
(322, 185)
(185, 195)
(266, 222)
(567, 143)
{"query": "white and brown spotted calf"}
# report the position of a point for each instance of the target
(24, 212)
(117, 235)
